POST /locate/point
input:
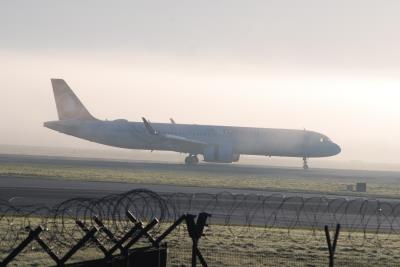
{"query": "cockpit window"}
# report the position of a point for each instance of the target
(324, 139)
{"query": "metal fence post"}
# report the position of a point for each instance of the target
(94, 239)
(78, 246)
(22, 246)
(134, 220)
(332, 246)
(195, 232)
(169, 230)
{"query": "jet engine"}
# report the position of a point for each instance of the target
(220, 154)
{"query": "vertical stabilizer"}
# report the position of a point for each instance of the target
(68, 104)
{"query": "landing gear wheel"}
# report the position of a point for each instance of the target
(191, 160)
(305, 165)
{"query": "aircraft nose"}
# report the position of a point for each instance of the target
(337, 149)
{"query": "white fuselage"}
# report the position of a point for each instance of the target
(242, 140)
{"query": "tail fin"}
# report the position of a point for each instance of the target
(68, 104)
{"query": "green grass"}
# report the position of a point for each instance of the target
(193, 177)
(222, 245)
(242, 246)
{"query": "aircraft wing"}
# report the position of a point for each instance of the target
(185, 144)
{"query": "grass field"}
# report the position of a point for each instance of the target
(222, 245)
(195, 177)
(236, 246)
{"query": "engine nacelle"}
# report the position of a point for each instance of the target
(220, 154)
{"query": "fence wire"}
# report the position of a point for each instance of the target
(242, 215)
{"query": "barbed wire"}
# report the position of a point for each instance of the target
(257, 214)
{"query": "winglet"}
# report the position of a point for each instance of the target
(149, 128)
(172, 121)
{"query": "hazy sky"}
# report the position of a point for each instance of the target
(328, 66)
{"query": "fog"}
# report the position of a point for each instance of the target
(328, 66)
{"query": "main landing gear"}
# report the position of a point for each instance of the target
(305, 164)
(191, 160)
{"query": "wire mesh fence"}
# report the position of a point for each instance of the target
(180, 256)
(244, 230)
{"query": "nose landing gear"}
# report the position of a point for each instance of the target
(191, 160)
(305, 164)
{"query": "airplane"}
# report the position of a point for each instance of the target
(217, 144)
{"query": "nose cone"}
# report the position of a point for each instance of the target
(336, 149)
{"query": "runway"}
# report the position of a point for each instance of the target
(241, 205)
(313, 173)
(51, 190)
